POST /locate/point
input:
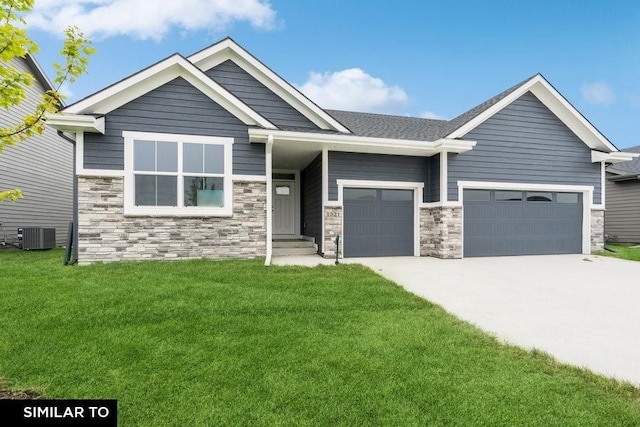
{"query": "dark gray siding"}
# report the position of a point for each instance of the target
(525, 142)
(312, 200)
(42, 167)
(176, 107)
(432, 191)
(376, 167)
(622, 217)
(253, 93)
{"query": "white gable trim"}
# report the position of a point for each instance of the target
(555, 102)
(157, 75)
(228, 49)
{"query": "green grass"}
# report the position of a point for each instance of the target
(623, 251)
(204, 343)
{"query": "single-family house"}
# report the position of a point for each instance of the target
(622, 218)
(215, 155)
(42, 167)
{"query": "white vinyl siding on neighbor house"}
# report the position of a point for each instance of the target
(177, 175)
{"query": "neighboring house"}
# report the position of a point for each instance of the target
(622, 218)
(42, 167)
(216, 156)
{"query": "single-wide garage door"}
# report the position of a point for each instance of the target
(501, 222)
(378, 222)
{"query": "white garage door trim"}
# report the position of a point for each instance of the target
(587, 199)
(417, 187)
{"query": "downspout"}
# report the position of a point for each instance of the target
(74, 253)
(269, 169)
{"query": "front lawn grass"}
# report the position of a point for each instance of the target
(205, 343)
(622, 250)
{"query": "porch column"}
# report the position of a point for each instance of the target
(269, 172)
(444, 177)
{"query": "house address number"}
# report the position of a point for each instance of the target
(334, 214)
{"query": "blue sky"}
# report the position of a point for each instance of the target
(419, 58)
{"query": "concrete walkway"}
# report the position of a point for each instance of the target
(583, 310)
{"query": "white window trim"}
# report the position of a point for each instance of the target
(418, 191)
(586, 190)
(130, 209)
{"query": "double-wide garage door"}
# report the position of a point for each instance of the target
(501, 222)
(378, 222)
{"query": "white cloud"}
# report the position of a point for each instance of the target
(598, 93)
(430, 115)
(353, 89)
(65, 90)
(144, 19)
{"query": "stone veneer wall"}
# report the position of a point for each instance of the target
(332, 227)
(105, 234)
(597, 230)
(441, 232)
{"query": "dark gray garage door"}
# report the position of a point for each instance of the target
(378, 222)
(500, 222)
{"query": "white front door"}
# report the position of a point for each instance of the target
(284, 205)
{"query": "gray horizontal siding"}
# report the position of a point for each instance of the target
(42, 167)
(375, 167)
(432, 191)
(312, 199)
(622, 217)
(240, 83)
(525, 142)
(176, 107)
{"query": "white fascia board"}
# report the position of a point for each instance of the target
(613, 157)
(555, 102)
(228, 49)
(75, 123)
(339, 142)
(157, 75)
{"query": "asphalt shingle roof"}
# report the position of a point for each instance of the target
(386, 126)
(413, 128)
(632, 167)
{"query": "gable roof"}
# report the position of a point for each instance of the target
(550, 97)
(157, 75)
(630, 168)
(466, 117)
(228, 49)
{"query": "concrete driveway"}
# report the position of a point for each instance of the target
(583, 310)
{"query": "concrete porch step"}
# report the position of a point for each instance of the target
(288, 251)
(293, 243)
(289, 247)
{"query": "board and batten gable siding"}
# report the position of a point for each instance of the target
(525, 142)
(42, 167)
(377, 167)
(257, 96)
(622, 217)
(312, 200)
(176, 107)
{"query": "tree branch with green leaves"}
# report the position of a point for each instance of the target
(14, 82)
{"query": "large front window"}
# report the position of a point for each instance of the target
(177, 174)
